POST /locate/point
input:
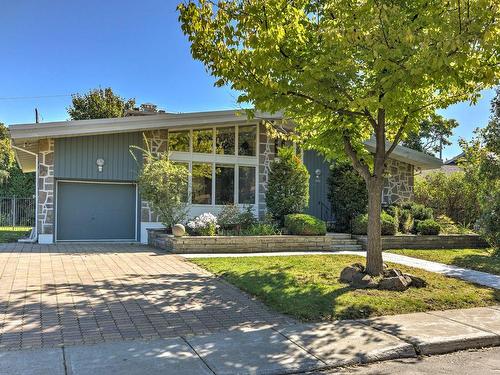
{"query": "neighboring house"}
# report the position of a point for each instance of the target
(449, 166)
(86, 174)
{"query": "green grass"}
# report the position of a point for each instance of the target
(12, 234)
(308, 288)
(477, 259)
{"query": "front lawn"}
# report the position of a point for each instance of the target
(12, 234)
(307, 288)
(477, 259)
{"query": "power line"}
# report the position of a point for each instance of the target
(34, 97)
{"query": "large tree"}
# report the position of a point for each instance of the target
(432, 136)
(344, 71)
(98, 103)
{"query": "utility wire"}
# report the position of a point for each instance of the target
(34, 97)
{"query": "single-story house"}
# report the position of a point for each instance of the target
(86, 174)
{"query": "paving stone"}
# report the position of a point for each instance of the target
(256, 352)
(32, 362)
(69, 293)
(432, 334)
(347, 342)
(484, 318)
(165, 356)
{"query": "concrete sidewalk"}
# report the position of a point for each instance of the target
(287, 349)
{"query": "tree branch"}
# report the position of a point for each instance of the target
(397, 137)
(353, 155)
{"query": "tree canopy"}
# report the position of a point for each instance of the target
(98, 103)
(432, 136)
(346, 71)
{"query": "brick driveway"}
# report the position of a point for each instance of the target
(87, 293)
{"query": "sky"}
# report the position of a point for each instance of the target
(54, 48)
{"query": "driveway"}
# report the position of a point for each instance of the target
(53, 295)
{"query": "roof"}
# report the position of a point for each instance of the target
(25, 136)
(454, 160)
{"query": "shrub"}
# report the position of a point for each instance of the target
(203, 225)
(388, 224)
(288, 185)
(232, 216)
(261, 229)
(428, 227)
(347, 194)
(304, 224)
(452, 194)
(489, 221)
(164, 184)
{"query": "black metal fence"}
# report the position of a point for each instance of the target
(17, 212)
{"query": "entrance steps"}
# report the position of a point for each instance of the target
(343, 241)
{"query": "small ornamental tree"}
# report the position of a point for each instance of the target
(346, 71)
(98, 103)
(288, 185)
(164, 184)
(347, 195)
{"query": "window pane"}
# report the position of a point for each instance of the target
(225, 141)
(184, 197)
(247, 140)
(224, 184)
(202, 183)
(203, 141)
(246, 185)
(178, 140)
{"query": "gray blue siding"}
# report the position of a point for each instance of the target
(319, 204)
(75, 158)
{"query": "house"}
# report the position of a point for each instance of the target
(86, 174)
(449, 166)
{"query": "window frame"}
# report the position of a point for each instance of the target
(214, 158)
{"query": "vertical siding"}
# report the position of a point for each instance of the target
(75, 158)
(318, 189)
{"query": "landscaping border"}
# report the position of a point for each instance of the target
(442, 241)
(249, 244)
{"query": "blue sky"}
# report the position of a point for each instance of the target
(53, 48)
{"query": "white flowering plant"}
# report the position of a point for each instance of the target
(203, 225)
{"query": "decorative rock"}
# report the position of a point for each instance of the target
(178, 230)
(392, 272)
(398, 283)
(347, 275)
(363, 281)
(416, 282)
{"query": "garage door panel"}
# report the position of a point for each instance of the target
(96, 211)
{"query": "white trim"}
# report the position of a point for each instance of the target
(45, 239)
(56, 195)
(145, 225)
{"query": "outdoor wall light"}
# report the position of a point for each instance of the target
(317, 172)
(100, 164)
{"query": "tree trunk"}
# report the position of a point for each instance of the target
(374, 263)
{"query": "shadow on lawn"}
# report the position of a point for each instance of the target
(489, 263)
(305, 301)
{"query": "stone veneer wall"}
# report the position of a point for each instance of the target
(156, 142)
(46, 186)
(398, 184)
(266, 156)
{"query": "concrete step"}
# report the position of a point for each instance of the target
(340, 236)
(344, 242)
(347, 247)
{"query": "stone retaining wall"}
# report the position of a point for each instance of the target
(242, 244)
(445, 241)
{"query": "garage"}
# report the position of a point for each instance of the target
(96, 211)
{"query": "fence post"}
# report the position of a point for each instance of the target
(13, 212)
